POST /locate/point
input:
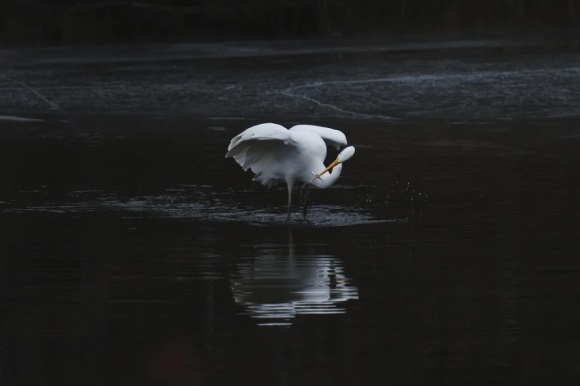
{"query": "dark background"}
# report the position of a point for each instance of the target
(124, 231)
(75, 22)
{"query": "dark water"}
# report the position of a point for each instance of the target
(446, 254)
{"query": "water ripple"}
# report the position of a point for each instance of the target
(194, 203)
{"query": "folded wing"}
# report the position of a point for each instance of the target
(330, 136)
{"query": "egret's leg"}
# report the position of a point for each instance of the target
(289, 204)
(305, 197)
(290, 185)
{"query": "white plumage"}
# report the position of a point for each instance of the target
(278, 155)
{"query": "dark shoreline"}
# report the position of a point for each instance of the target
(73, 22)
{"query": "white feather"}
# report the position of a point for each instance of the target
(332, 137)
(275, 154)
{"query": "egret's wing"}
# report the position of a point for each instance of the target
(259, 147)
(261, 132)
(332, 137)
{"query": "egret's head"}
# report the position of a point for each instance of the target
(343, 156)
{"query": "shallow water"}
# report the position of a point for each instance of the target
(446, 254)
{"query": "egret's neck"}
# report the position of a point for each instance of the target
(328, 178)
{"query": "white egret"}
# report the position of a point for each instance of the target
(279, 155)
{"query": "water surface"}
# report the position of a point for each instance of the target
(446, 254)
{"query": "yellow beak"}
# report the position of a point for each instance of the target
(333, 164)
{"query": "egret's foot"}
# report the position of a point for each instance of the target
(307, 220)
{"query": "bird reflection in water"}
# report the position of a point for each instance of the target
(274, 283)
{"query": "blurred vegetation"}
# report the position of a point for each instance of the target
(40, 22)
